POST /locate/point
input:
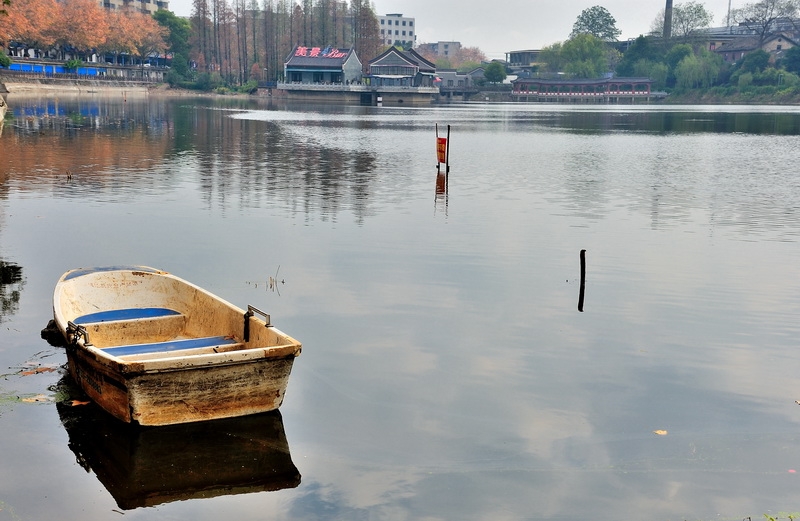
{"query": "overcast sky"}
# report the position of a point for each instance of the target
(499, 26)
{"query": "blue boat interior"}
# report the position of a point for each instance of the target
(125, 314)
(172, 345)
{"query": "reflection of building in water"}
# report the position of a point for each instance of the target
(11, 283)
(146, 467)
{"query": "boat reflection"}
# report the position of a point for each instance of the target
(143, 467)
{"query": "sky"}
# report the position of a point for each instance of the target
(499, 26)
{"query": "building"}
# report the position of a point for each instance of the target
(144, 6)
(322, 66)
(444, 49)
(396, 29)
(402, 68)
(564, 90)
(736, 49)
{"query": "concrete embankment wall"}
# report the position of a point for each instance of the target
(15, 85)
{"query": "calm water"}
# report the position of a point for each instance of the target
(447, 372)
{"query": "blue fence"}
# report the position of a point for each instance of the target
(55, 69)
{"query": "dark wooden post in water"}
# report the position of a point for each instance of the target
(583, 281)
(443, 150)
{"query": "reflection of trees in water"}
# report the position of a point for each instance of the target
(11, 284)
(267, 163)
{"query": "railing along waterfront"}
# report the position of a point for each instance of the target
(354, 87)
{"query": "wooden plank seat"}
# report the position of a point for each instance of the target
(133, 326)
(172, 345)
(125, 314)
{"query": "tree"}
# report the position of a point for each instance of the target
(551, 57)
(761, 17)
(698, 70)
(688, 19)
(791, 60)
(642, 48)
(598, 22)
(179, 31)
(30, 22)
(495, 72)
(755, 61)
(585, 56)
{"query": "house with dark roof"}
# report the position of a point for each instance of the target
(402, 69)
(737, 48)
(322, 65)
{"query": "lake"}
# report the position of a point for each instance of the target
(447, 371)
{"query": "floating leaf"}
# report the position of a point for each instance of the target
(38, 370)
(660, 432)
(37, 398)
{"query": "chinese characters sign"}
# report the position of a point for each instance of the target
(317, 52)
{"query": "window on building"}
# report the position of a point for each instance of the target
(411, 23)
(779, 47)
(396, 32)
(297, 77)
(317, 77)
(404, 22)
(382, 22)
(411, 33)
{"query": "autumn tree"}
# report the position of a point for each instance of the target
(598, 22)
(30, 22)
(366, 38)
(82, 25)
(148, 37)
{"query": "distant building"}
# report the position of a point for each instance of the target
(322, 66)
(522, 59)
(444, 49)
(736, 49)
(144, 6)
(402, 68)
(396, 29)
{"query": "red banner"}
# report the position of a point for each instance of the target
(441, 149)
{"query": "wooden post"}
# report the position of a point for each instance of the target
(448, 150)
(583, 281)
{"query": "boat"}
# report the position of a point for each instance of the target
(153, 349)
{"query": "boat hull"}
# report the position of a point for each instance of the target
(186, 395)
(245, 370)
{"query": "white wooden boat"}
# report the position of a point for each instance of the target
(154, 349)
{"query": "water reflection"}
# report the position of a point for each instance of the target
(143, 467)
(11, 284)
(441, 198)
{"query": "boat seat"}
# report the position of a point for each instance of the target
(125, 314)
(170, 345)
